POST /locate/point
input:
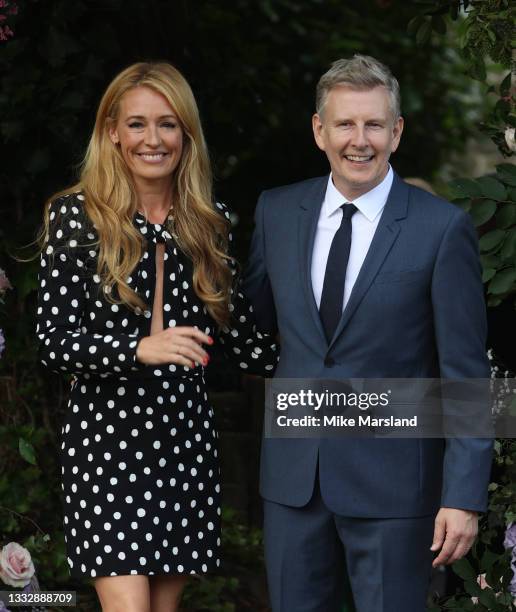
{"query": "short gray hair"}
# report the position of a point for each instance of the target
(361, 72)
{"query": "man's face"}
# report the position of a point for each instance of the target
(357, 131)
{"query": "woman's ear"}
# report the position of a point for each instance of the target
(113, 134)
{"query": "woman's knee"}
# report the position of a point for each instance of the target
(123, 593)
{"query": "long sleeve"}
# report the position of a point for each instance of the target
(64, 344)
(460, 329)
(253, 351)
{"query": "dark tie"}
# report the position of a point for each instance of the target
(333, 287)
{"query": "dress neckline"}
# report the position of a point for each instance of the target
(141, 216)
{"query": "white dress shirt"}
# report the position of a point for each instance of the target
(363, 226)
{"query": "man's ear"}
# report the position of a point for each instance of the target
(397, 131)
(317, 127)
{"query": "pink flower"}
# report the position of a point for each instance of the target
(4, 281)
(482, 583)
(510, 138)
(2, 17)
(16, 567)
(3, 4)
(5, 33)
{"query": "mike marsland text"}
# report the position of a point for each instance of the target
(365, 420)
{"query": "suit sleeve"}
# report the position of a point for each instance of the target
(461, 330)
(256, 283)
(64, 345)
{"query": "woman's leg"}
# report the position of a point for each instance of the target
(165, 592)
(123, 593)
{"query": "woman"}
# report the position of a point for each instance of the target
(135, 282)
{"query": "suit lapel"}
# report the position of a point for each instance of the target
(309, 209)
(383, 240)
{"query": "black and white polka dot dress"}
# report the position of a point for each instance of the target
(140, 470)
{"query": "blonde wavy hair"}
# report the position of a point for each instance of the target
(111, 200)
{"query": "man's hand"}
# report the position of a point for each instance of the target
(454, 533)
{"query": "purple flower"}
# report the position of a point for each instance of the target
(510, 543)
(510, 537)
(2, 345)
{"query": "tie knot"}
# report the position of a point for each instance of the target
(348, 210)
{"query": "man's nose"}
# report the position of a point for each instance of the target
(359, 139)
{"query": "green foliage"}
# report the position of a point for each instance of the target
(485, 32)
(242, 553)
(491, 202)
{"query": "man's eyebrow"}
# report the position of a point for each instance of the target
(372, 120)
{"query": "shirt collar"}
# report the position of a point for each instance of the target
(370, 204)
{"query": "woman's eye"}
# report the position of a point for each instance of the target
(169, 124)
(136, 124)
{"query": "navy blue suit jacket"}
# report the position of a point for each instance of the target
(417, 310)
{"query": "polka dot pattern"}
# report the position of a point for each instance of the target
(140, 470)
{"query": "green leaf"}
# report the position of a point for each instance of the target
(507, 173)
(488, 599)
(482, 211)
(506, 216)
(488, 274)
(27, 451)
(508, 251)
(489, 558)
(424, 33)
(491, 188)
(491, 240)
(490, 261)
(414, 24)
(466, 188)
(503, 281)
(464, 569)
(477, 68)
(472, 587)
(439, 24)
(505, 85)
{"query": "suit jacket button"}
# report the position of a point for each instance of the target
(329, 362)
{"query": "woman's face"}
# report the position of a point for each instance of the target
(149, 136)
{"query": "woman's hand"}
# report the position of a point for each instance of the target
(179, 345)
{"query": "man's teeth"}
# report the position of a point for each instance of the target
(359, 157)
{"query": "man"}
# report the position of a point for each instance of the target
(366, 277)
